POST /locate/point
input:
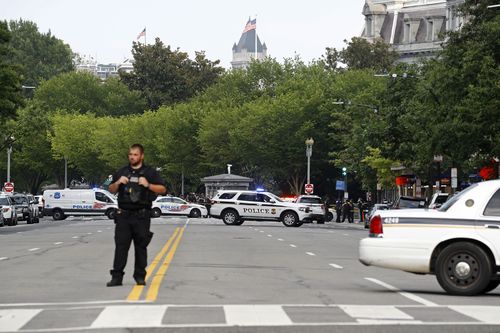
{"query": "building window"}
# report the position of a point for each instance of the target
(430, 30)
(407, 32)
(369, 27)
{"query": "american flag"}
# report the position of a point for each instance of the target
(251, 25)
(142, 34)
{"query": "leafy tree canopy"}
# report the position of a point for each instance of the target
(10, 80)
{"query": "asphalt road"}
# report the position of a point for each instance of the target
(209, 277)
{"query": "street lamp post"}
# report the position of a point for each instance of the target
(10, 141)
(309, 150)
(344, 173)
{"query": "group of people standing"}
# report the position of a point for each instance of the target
(345, 210)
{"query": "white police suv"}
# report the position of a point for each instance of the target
(167, 205)
(459, 242)
(234, 207)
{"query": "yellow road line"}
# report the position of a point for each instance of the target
(136, 292)
(160, 274)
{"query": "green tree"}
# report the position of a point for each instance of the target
(10, 80)
(41, 55)
(361, 54)
(85, 93)
(164, 76)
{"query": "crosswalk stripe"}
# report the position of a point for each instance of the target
(375, 312)
(130, 316)
(488, 314)
(256, 315)
(12, 320)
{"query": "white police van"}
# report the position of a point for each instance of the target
(92, 202)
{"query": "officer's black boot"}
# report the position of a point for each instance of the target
(116, 279)
(140, 281)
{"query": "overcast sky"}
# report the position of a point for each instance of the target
(106, 29)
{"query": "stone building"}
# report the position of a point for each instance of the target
(244, 51)
(415, 28)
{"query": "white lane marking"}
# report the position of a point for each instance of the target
(74, 237)
(251, 315)
(58, 243)
(346, 234)
(89, 233)
(281, 239)
(13, 320)
(3, 258)
(19, 232)
(99, 230)
(487, 314)
(310, 254)
(293, 245)
(336, 266)
(262, 231)
(130, 316)
(375, 312)
(269, 235)
(34, 249)
(411, 296)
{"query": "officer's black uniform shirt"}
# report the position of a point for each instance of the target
(145, 196)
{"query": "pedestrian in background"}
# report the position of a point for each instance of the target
(138, 186)
(338, 210)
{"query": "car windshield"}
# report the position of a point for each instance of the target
(19, 200)
(455, 198)
(410, 203)
(277, 199)
(4, 202)
(312, 200)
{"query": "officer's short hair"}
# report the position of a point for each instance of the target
(137, 146)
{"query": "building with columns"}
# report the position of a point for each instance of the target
(414, 28)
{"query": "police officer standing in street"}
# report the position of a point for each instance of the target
(137, 186)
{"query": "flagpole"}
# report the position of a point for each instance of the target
(145, 36)
(255, 36)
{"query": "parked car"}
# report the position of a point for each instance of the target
(234, 207)
(167, 205)
(438, 199)
(315, 204)
(85, 202)
(33, 204)
(459, 242)
(40, 202)
(409, 202)
(373, 212)
(24, 208)
(8, 209)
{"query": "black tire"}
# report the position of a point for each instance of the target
(111, 213)
(321, 221)
(230, 217)
(9, 222)
(463, 269)
(290, 218)
(58, 215)
(329, 217)
(156, 212)
(37, 220)
(240, 222)
(195, 213)
(491, 286)
(29, 220)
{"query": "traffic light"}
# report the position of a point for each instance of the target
(344, 171)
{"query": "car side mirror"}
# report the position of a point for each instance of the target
(272, 201)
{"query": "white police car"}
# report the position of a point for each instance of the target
(459, 242)
(234, 207)
(167, 205)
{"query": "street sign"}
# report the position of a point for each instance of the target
(309, 188)
(8, 187)
(454, 172)
(340, 185)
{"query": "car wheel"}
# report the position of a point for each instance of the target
(156, 212)
(463, 269)
(58, 215)
(321, 221)
(111, 213)
(290, 219)
(230, 217)
(9, 222)
(195, 213)
(240, 222)
(329, 217)
(491, 286)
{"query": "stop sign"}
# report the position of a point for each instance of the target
(8, 187)
(309, 188)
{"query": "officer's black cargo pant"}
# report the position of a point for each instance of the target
(132, 226)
